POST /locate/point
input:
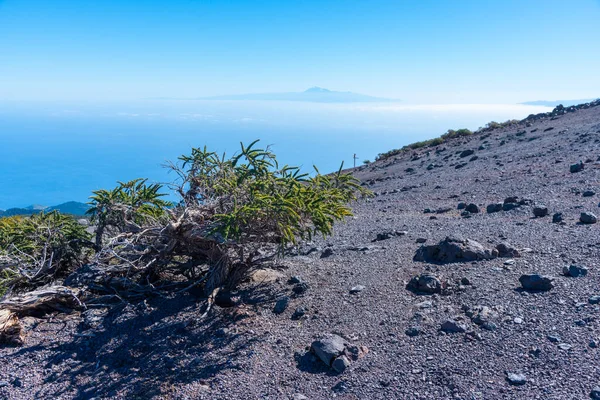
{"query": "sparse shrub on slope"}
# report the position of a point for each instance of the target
(37, 249)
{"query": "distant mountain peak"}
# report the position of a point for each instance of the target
(316, 89)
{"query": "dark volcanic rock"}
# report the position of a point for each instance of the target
(588, 218)
(281, 305)
(576, 167)
(453, 326)
(506, 250)
(557, 217)
(588, 193)
(575, 271)
(425, 283)
(454, 249)
(472, 208)
(466, 153)
(329, 349)
(536, 282)
(540, 211)
(494, 207)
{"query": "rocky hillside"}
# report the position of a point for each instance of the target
(472, 274)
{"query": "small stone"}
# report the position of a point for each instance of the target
(472, 208)
(357, 289)
(540, 211)
(573, 168)
(281, 305)
(564, 346)
(518, 321)
(295, 279)
(452, 326)
(594, 344)
(490, 326)
(494, 207)
(553, 338)
(594, 300)
(595, 393)
(328, 252)
(299, 396)
(466, 153)
(536, 282)
(299, 313)
(340, 364)
(557, 217)
(575, 271)
(421, 240)
(425, 283)
(509, 262)
(300, 288)
(465, 281)
(4, 383)
(588, 218)
(588, 193)
(461, 206)
(516, 379)
(413, 331)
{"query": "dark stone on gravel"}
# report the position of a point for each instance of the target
(536, 282)
(466, 153)
(413, 331)
(299, 313)
(588, 193)
(512, 199)
(452, 326)
(4, 383)
(588, 218)
(510, 206)
(489, 326)
(594, 300)
(595, 393)
(328, 252)
(472, 208)
(494, 207)
(300, 288)
(506, 250)
(461, 206)
(226, 300)
(425, 283)
(329, 349)
(340, 364)
(576, 167)
(383, 236)
(516, 379)
(421, 240)
(553, 338)
(557, 218)
(294, 280)
(357, 289)
(575, 271)
(540, 211)
(281, 305)
(454, 249)
(474, 158)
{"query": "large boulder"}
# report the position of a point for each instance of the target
(455, 249)
(336, 352)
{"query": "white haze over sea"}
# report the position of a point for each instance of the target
(53, 153)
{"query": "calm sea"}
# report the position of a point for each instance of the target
(53, 153)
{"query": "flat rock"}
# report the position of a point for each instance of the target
(536, 282)
(454, 249)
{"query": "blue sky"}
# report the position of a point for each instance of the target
(420, 51)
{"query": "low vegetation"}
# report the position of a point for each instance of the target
(234, 214)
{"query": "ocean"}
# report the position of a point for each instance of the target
(51, 153)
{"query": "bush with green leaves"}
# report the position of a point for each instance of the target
(39, 248)
(235, 213)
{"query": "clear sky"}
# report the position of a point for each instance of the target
(419, 51)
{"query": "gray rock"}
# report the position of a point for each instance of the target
(516, 379)
(553, 338)
(494, 207)
(595, 393)
(421, 240)
(461, 206)
(425, 283)
(299, 313)
(540, 211)
(536, 282)
(466, 153)
(564, 346)
(576, 167)
(357, 289)
(452, 326)
(594, 300)
(328, 349)
(575, 271)
(300, 288)
(588, 218)
(299, 396)
(328, 252)
(472, 208)
(557, 217)
(454, 249)
(295, 279)
(340, 364)
(506, 250)
(281, 305)
(510, 206)
(413, 331)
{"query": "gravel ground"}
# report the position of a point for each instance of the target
(159, 348)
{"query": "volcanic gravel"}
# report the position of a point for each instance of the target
(535, 345)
